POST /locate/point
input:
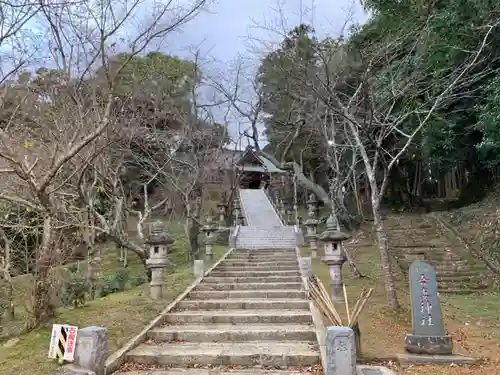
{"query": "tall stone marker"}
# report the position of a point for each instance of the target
(428, 335)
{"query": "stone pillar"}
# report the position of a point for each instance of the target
(282, 210)
(236, 212)
(91, 351)
(209, 229)
(289, 215)
(241, 219)
(312, 225)
(158, 242)
(306, 266)
(221, 212)
(334, 256)
(198, 268)
(340, 351)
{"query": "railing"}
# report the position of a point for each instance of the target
(275, 207)
(242, 208)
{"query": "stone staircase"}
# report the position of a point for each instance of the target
(279, 237)
(257, 209)
(264, 229)
(458, 272)
(249, 316)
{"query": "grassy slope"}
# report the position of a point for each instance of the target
(124, 314)
(471, 320)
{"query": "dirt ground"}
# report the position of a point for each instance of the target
(473, 321)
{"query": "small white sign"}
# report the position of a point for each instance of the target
(62, 342)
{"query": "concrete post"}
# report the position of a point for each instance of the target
(306, 266)
(198, 268)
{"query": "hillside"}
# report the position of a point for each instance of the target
(478, 226)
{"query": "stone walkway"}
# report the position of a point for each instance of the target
(258, 210)
(249, 316)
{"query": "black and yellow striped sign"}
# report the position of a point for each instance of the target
(61, 342)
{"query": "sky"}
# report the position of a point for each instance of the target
(226, 32)
(250, 28)
(233, 27)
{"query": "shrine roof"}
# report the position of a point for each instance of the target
(251, 162)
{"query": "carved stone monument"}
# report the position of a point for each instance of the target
(428, 335)
(428, 341)
(334, 256)
(158, 242)
(340, 351)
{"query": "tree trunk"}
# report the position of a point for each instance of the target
(390, 288)
(43, 309)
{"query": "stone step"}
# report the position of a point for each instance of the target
(251, 239)
(459, 277)
(280, 245)
(460, 285)
(249, 286)
(238, 263)
(265, 258)
(217, 273)
(450, 272)
(461, 291)
(240, 316)
(243, 304)
(261, 251)
(445, 262)
(261, 293)
(228, 332)
(213, 371)
(256, 353)
(251, 267)
(252, 279)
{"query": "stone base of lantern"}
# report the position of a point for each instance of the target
(156, 285)
(428, 344)
(208, 252)
(314, 253)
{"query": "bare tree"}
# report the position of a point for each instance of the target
(67, 112)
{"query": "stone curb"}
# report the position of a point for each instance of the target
(319, 327)
(116, 359)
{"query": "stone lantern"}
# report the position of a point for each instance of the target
(241, 219)
(289, 214)
(312, 225)
(282, 209)
(334, 256)
(236, 212)
(209, 229)
(221, 213)
(158, 242)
